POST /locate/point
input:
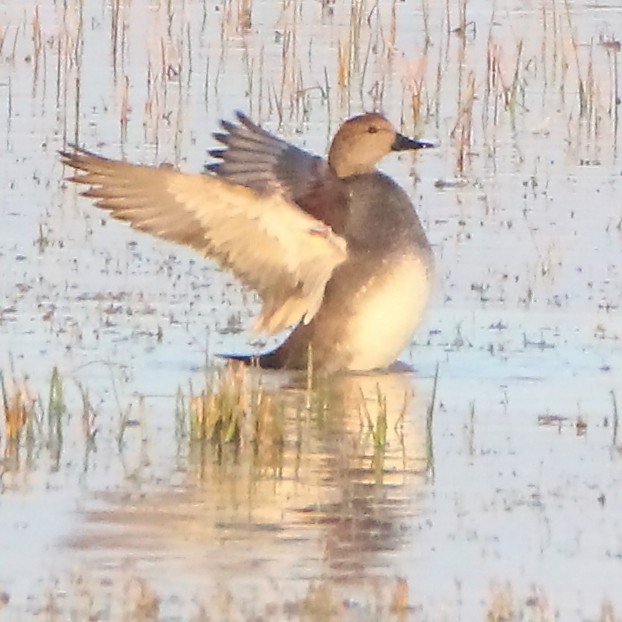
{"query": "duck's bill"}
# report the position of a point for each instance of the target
(403, 143)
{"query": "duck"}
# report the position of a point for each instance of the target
(333, 247)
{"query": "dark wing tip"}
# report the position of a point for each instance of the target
(69, 153)
(221, 137)
(217, 153)
(228, 126)
(74, 155)
(243, 119)
(241, 116)
(248, 123)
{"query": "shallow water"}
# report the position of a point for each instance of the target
(507, 503)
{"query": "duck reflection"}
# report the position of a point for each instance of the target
(326, 483)
(371, 464)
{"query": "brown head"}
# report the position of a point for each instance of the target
(363, 140)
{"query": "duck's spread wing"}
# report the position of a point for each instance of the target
(259, 160)
(270, 244)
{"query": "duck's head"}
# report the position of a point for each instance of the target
(363, 140)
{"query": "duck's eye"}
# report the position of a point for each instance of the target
(372, 129)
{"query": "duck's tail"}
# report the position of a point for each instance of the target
(269, 360)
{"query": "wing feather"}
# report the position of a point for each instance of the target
(255, 158)
(268, 242)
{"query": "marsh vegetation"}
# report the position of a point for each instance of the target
(140, 478)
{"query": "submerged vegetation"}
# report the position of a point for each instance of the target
(229, 411)
(28, 424)
(236, 410)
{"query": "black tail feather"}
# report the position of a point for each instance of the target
(269, 360)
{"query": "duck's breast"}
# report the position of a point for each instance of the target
(388, 309)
